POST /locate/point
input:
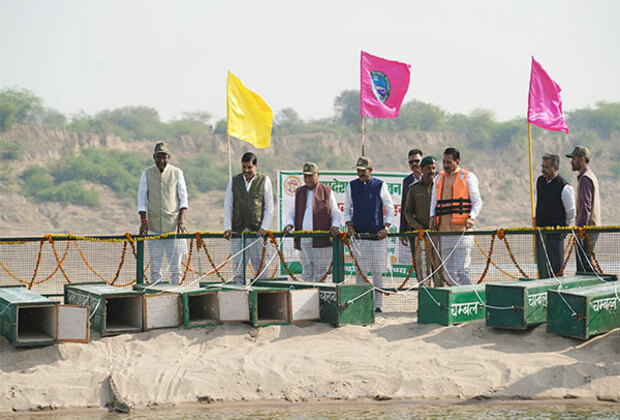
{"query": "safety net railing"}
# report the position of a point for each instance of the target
(397, 265)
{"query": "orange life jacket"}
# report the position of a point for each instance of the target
(459, 206)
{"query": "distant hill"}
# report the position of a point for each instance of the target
(65, 161)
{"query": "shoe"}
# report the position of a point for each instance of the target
(378, 310)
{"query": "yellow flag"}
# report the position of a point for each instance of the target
(249, 116)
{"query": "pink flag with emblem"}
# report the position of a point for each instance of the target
(544, 103)
(384, 84)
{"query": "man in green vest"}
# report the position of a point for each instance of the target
(162, 204)
(248, 207)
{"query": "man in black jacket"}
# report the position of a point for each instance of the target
(555, 206)
(414, 159)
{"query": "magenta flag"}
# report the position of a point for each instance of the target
(544, 103)
(384, 84)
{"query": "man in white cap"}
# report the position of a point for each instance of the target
(162, 204)
(368, 208)
(315, 209)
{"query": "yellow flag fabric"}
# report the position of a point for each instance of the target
(249, 117)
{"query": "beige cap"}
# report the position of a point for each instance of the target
(363, 163)
(162, 147)
(310, 168)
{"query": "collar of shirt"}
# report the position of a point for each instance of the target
(581, 172)
(549, 180)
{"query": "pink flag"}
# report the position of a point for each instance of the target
(544, 103)
(384, 85)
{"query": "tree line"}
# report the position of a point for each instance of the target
(21, 106)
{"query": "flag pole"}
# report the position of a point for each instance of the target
(229, 158)
(529, 142)
(363, 135)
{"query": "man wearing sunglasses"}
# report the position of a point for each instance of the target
(414, 159)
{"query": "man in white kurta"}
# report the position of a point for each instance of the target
(368, 208)
(454, 209)
(319, 213)
(248, 207)
(162, 204)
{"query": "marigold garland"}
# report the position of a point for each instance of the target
(486, 268)
(272, 239)
(189, 260)
(493, 262)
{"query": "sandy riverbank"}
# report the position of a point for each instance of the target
(394, 358)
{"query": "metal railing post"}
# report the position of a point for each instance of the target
(244, 260)
(338, 260)
(140, 262)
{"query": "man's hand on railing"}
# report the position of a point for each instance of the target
(404, 240)
(350, 229)
(335, 230)
(287, 229)
(382, 234)
(261, 232)
(227, 234)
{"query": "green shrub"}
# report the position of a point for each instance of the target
(10, 150)
(39, 184)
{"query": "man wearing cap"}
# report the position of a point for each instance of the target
(248, 207)
(417, 212)
(455, 204)
(368, 208)
(414, 158)
(555, 206)
(587, 204)
(315, 208)
(162, 204)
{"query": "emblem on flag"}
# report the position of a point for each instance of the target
(380, 85)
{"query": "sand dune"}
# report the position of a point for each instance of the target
(395, 358)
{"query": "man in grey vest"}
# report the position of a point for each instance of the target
(587, 204)
(162, 204)
(248, 207)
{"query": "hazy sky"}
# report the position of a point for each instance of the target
(174, 55)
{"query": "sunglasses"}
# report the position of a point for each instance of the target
(411, 162)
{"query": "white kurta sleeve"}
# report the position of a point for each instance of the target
(348, 205)
(568, 200)
(388, 204)
(433, 212)
(142, 193)
(290, 217)
(268, 207)
(182, 191)
(335, 211)
(474, 195)
(228, 206)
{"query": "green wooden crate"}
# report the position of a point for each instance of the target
(29, 319)
(528, 299)
(303, 304)
(266, 305)
(597, 310)
(335, 300)
(115, 310)
(457, 304)
(199, 307)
